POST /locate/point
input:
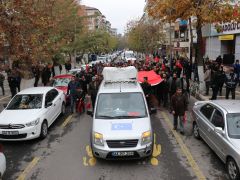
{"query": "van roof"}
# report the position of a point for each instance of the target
(118, 87)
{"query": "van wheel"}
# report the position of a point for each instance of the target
(44, 130)
(196, 131)
(63, 109)
(232, 169)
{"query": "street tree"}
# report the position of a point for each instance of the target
(36, 30)
(205, 11)
(144, 36)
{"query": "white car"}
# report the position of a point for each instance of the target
(29, 114)
(2, 163)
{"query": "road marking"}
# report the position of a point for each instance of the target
(85, 161)
(5, 98)
(92, 160)
(66, 121)
(28, 169)
(184, 149)
(89, 151)
(156, 151)
(154, 161)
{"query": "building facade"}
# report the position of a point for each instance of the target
(224, 40)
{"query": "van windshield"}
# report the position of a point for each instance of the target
(121, 106)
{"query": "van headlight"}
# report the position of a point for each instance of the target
(146, 137)
(98, 139)
(33, 123)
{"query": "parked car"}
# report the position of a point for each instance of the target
(2, 162)
(218, 124)
(61, 82)
(30, 113)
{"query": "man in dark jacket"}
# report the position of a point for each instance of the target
(231, 83)
(93, 90)
(178, 109)
(12, 81)
(36, 73)
(2, 78)
(46, 74)
(147, 90)
(73, 87)
(163, 89)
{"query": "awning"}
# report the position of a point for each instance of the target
(153, 78)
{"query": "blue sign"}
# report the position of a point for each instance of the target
(122, 126)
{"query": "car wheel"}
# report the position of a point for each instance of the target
(196, 131)
(63, 109)
(44, 130)
(232, 169)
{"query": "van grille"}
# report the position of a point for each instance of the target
(11, 126)
(122, 143)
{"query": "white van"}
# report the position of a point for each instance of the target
(121, 121)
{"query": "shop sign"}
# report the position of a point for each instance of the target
(228, 28)
(226, 37)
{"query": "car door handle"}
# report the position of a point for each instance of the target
(54, 104)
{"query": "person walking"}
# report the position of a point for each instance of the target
(173, 82)
(46, 74)
(18, 79)
(231, 81)
(2, 78)
(73, 87)
(178, 109)
(207, 79)
(36, 73)
(215, 82)
(237, 70)
(93, 89)
(147, 90)
(222, 77)
(12, 83)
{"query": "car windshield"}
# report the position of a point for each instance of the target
(121, 106)
(26, 101)
(233, 121)
(129, 55)
(61, 82)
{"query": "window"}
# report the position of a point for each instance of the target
(217, 119)
(121, 106)
(54, 93)
(26, 101)
(233, 125)
(48, 98)
(207, 111)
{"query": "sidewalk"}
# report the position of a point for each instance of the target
(202, 89)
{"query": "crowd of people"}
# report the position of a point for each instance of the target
(216, 77)
(172, 93)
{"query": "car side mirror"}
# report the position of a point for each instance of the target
(219, 130)
(5, 105)
(153, 111)
(90, 113)
(49, 104)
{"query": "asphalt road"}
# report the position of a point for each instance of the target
(65, 155)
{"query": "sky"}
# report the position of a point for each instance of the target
(118, 12)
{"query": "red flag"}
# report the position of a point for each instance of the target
(178, 64)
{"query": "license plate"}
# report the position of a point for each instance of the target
(10, 133)
(122, 154)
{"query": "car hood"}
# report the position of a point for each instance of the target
(121, 128)
(235, 143)
(19, 116)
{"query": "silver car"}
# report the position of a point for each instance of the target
(218, 124)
